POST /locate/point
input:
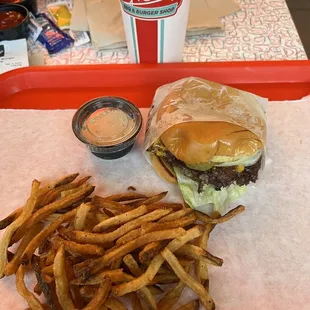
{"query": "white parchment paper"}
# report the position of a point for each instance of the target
(266, 250)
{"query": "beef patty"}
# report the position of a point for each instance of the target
(217, 176)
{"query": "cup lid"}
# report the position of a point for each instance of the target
(107, 121)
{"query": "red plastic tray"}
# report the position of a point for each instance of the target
(64, 87)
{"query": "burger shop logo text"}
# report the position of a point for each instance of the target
(153, 12)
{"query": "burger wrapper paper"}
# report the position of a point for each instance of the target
(194, 99)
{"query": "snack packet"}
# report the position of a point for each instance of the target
(61, 14)
(54, 39)
(208, 138)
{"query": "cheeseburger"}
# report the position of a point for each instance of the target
(208, 138)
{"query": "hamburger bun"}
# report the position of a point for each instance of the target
(198, 142)
(162, 170)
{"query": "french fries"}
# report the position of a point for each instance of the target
(145, 295)
(198, 253)
(151, 200)
(110, 205)
(11, 229)
(133, 234)
(155, 290)
(46, 288)
(124, 249)
(222, 219)
(180, 222)
(37, 289)
(188, 280)
(148, 276)
(52, 208)
(45, 233)
(132, 265)
(77, 299)
(76, 248)
(100, 216)
(50, 256)
(10, 218)
(114, 275)
(135, 301)
(202, 272)
(88, 292)
(61, 281)
(170, 299)
(13, 265)
(91, 251)
(63, 181)
(122, 197)
(48, 270)
(176, 215)
(32, 301)
(173, 206)
(114, 304)
(100, 296)
(53, 194)
(193, 305)
(151, 250)
(85, 237)
(120, 219)
(81, 216)
(45, 245)
(165, 279)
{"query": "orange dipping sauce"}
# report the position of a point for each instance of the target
(10, 19)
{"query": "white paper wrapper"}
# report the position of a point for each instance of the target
(265, 249)
(193, 99)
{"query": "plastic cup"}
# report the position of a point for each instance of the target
(108, 126)
(155, 29)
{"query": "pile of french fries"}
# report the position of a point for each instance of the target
(87, 252)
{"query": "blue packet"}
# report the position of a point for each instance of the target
(54, 39)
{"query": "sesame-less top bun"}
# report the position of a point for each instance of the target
(196, 143)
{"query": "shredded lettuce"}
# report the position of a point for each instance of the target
(210, 199)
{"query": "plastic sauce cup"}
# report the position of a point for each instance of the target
(108, 126)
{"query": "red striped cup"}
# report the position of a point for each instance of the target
(155, 29)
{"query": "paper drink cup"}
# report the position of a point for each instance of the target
(155, 29)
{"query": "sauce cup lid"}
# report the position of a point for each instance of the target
(107, 122)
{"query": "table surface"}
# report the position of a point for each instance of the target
(261, 30)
